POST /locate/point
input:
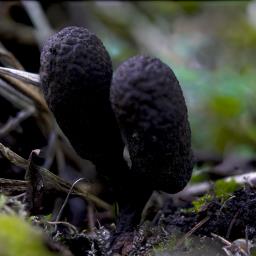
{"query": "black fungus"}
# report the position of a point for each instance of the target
(152, 114)
(148, 110)
(76, 72)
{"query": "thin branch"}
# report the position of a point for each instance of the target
(15, 97)
(30, 91)
(10, 187)
(21, 75)
(14, 122)
(69, 225)
(51, 181)
(66, 199)
(35, 12)
(203, 187)
(187, 235)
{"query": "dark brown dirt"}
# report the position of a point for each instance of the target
(233, 219)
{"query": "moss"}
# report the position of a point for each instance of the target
(200, 175)
(199, 203)
(168, 245)
(18, 238)
(222, 191)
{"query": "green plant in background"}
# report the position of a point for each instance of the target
(200, 202)
(200, 174)
(17, 237)
(215, 65)
(222, 191)
(221, 109)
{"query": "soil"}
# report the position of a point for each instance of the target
(233, 219)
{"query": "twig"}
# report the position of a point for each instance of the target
(91, 217)
(13, 157)
(35, 12)
(50, 150)
(188, 234)
(66, 199)
(21, 75)
(61, 163)
(232, 223)
(69, 225)
(25, 88)
(14, 96)
(52, 182)
(222, 239)
(11, 187)
(238, 247)
(203, 187)
(14, 122)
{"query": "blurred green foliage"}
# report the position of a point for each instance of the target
(210, 46)
(222, 191)
(18, 238)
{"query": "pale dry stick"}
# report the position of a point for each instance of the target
(22, 195)
(232, 223)
(61, 161)
(247, 240)
(67, 198)
(12, 123)
(39, 20)
(50, 150)
(32, 94)
(44, 117)
(10, 187)
(13, 157)
(21, 75)
(222, 239)
(237, 247)
(25, 88)
(51, 181)
(204, 187)
(69, 225)
(91, 217)
(188, 234)
(15, 97)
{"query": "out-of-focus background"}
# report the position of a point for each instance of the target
(211, 46)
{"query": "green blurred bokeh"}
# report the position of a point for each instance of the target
(210, 45)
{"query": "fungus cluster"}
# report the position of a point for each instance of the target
(141, 107)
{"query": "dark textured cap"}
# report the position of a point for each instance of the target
(75, 74)
(152, 114)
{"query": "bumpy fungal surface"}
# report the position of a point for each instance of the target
(151, 111)
(75, 74)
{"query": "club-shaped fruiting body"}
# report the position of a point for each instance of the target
(148, 110)
(76, 72)
(152, 114)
